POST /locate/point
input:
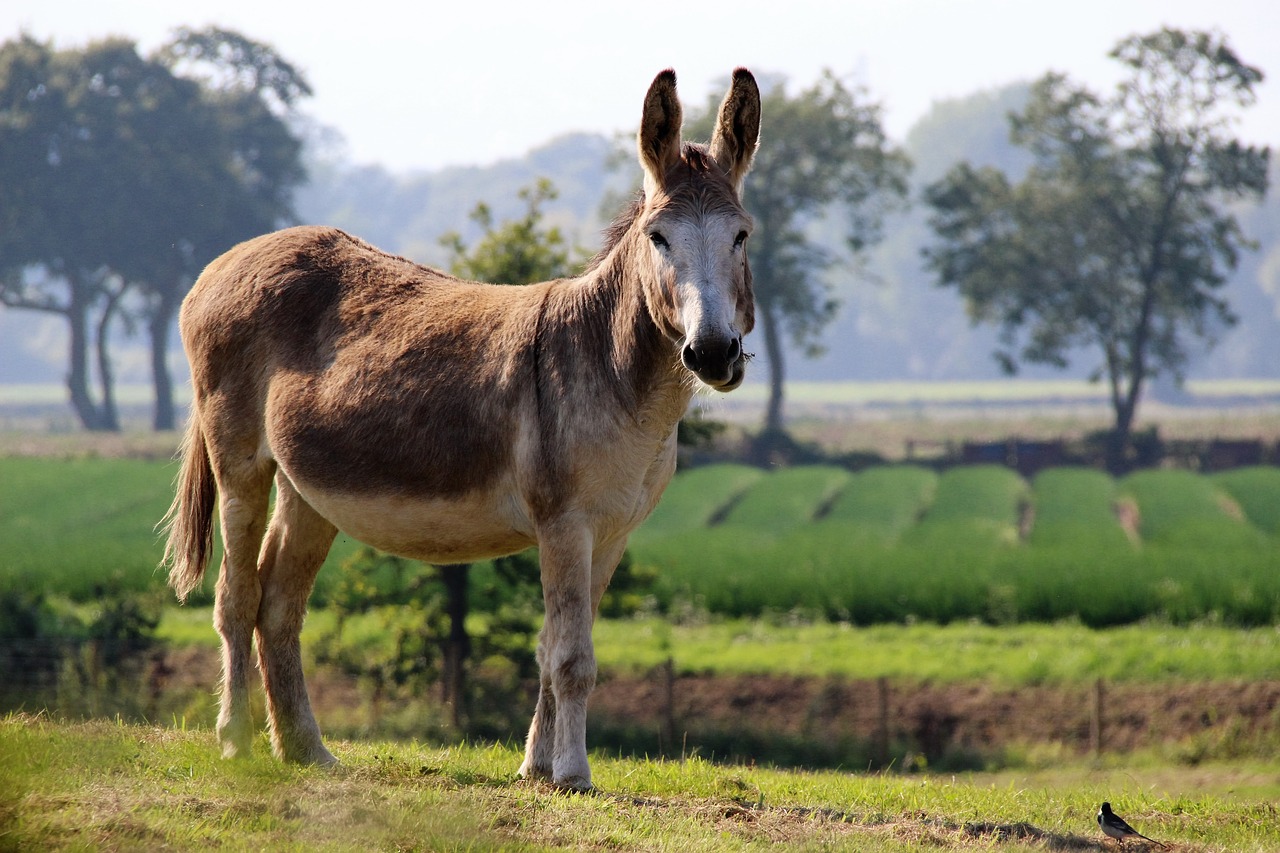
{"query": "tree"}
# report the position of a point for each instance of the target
(1116, 240)
(822, 150)
(123, 179)
(520, 251)
(72, 131)
(239, 184)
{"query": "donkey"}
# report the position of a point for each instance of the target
(449, 421)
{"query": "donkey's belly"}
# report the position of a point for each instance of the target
(434, 530)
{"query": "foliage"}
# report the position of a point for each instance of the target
(403, 643)
(698, 432)
(824, 149)
(83, 662)
(123, 179)
(519, 251)
(1116, 240)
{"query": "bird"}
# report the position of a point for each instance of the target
(1113, 825)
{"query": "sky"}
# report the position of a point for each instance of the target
(420, 86)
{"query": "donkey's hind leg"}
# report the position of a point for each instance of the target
(297, 542)
(244, 494)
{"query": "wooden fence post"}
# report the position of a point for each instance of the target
(1097, 698)
(669, 703)
(882, 722)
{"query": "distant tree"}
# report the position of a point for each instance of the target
(1116, 239)
(822, 151)
(122, 179)
(235, 182)
(519, 251)
(71, 131)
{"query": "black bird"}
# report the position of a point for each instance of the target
(1113, 825)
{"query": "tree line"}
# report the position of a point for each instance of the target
(122, 175)
(129, 173)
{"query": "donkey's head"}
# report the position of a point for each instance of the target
(692, 217)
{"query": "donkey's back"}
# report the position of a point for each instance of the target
(390, 395)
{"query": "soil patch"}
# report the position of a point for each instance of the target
(938, 720)
(889, 721)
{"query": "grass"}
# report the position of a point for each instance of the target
(881, 503)
(976, 506)
(109, 786)
(76, 525)
(1181, 508)
(1256, 490)
(978, 542)
(79, 525)
(1009, 655)
(1074, 506)
(787, 499)
(695, 499)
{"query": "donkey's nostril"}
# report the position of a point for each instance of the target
(734, 351)
(690, 357)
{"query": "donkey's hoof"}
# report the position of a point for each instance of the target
(325, 759)
(311, 756)
(575, 785)
(319, 758)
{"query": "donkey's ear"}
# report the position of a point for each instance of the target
(659, 137)
(733, 145)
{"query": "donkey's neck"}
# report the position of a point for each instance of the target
(649, 378)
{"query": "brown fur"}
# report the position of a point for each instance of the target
(449, 421)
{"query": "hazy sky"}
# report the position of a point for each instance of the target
(426, 84)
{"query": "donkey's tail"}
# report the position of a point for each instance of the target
(189, 522)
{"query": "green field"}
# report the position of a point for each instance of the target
(899, 543)
(111, 786)
(890, 544)
(1010, 655)
(75, 527)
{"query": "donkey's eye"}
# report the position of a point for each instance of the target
(740, 240)
(658, 240)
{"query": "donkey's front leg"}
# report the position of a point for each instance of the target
(540, 748)
(567, 661)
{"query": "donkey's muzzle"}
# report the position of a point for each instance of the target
(718, 363)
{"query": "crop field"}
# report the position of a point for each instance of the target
(889, 544)
(898, 543)
(75, 527)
